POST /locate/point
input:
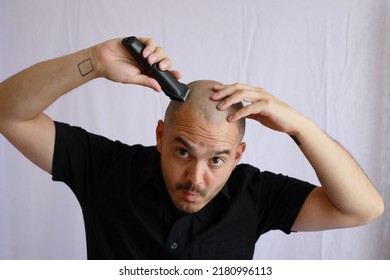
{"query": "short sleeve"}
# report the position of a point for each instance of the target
(80, 158)
(271, 201)
(280, 198)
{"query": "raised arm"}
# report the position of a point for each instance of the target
(347, 197)
(24, 96)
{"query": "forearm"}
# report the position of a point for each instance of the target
(345, 183)
(25, 95)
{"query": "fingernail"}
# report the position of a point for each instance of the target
(153, 59)
(146, 53)
(162, 65)
(221, 105)
(215, 95)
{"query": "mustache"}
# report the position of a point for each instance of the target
(191, 188)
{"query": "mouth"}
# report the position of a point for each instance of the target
(190, 196)
(190, 193)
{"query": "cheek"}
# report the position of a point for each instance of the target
(172, 171)
(216, 179)
(222, 176)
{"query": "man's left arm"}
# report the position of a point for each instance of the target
(347, 197)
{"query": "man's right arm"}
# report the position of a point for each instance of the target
(24, 96)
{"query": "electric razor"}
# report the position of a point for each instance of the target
(169, 84)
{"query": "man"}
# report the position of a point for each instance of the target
(186, 198)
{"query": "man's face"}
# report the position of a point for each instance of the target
(197, 158)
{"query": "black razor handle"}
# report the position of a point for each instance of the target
(169, 84)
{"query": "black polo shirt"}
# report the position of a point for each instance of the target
(128, 213)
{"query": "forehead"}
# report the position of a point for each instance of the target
(194, 128)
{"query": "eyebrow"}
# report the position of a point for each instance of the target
(190, 147)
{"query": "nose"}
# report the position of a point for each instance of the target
(195, 173)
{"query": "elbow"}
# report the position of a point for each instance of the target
(372, 206)
(373, 213)
(379, 209)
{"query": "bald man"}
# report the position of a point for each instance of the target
(187, 197)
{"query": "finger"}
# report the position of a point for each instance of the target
(219, 87)
(150, 46)
(165, 64)
(222, 91)
(241, 95)
(156, 56)
(146, 81)
(229, 100)
(153, 84)
(247, 111)
(176, 74)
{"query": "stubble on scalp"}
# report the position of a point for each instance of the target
(199, 101)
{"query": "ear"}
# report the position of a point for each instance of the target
(159, 135)
(240, 151)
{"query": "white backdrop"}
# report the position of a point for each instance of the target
(328, 59)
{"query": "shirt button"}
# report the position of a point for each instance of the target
(174, 246)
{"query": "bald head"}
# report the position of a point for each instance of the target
(199, 103)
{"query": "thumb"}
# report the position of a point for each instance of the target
(147, 81)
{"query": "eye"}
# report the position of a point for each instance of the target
(216, 161)
(183, 153)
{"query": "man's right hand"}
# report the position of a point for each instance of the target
(113, 62)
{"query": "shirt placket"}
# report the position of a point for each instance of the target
(177, 241)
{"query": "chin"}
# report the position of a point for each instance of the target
(189, 208)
